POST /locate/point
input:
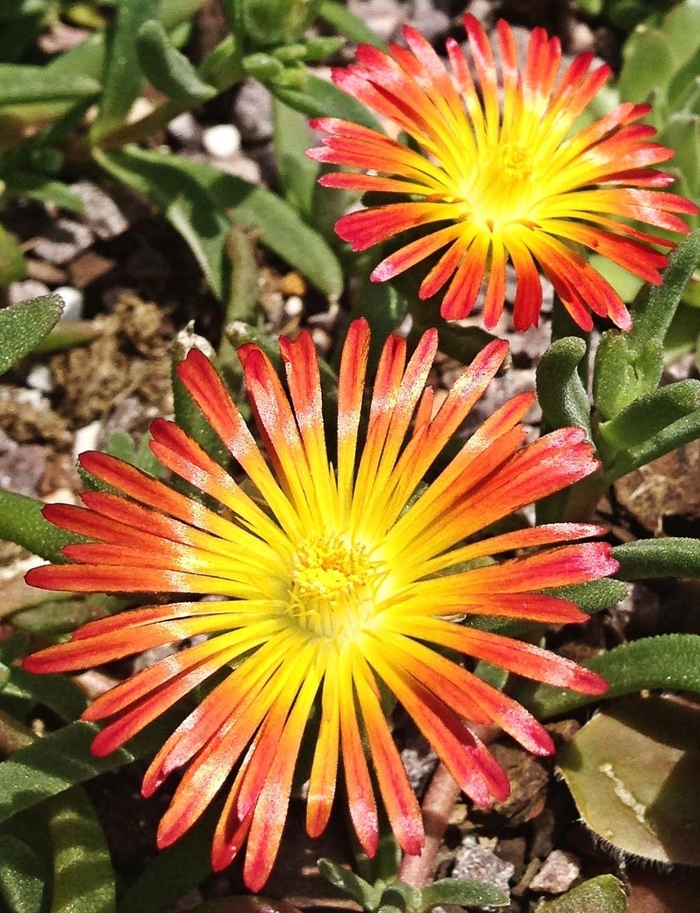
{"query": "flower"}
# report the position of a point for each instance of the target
(333, 583)
(517, 183)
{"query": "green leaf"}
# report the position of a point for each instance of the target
(672, 557)
(594, 596)
(174, 870)
(655, 306)
(603, 894)
(38, 187)
(56, 762)
(276, 22)
(680, 432)
(648, 64)
(316, 97)
(298, 173)
(348, 24)
(21, 521)
(83, 880)
(23, 325)
(682, 28)
(123, 77)
(633, 772)
(359, 890)
(195, 196)
(25, 85)
(668, 661)
(682, 133)
(245, 277)
(462, 892)
(167, 69)
(650, 414)
(57, 692)
(280, 229)
(185, 202)
(12, 265)
(560, 391)
(22, 875)
(617, 377)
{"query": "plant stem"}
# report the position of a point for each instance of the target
(438, 803)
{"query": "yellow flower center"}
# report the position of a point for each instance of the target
(501, 188)
(330, 593)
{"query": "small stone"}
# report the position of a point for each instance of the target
(23, 291)
(102, 214)
(89, 267)
(253, 112)
(558, 872)
(477, 863)
(44, 272)
(40, 378)
(72, 301)
(222, 141)
(293, 306)
(86, 438)
(63, 241)
(382, 16)
(185, 129)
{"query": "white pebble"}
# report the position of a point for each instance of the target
(293, 306)
(40, 378)
(221, 141)
(72, 300)
(86, 438)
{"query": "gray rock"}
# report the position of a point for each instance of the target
(252, 112)
(63, 241)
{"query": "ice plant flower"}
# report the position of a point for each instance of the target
(332, 580)
(514, 182)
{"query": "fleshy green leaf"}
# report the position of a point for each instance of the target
(124, 78)
(56, 762)
(680, 432)
(648, 64)
(616, 375)
(298, 173)
(174, 870)
(348, 24)
(167, 69)
(185, 202)
(21, 521)
(23, 325)
(672, 557)
(462, 892)
(595, 595)
(57, 692)
(38, 187)
(603, 894)
(361, 891)
(83, 879)
(682, 133)
(22, 876)
(195, 197)
(315, 97)
(12, 265)
(668, 661)
(655, 306)
(560, 391)
(25, 85)
(633, 772)
(650, 414)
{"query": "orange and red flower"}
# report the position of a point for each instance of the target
(515, 182)
(332, 581)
